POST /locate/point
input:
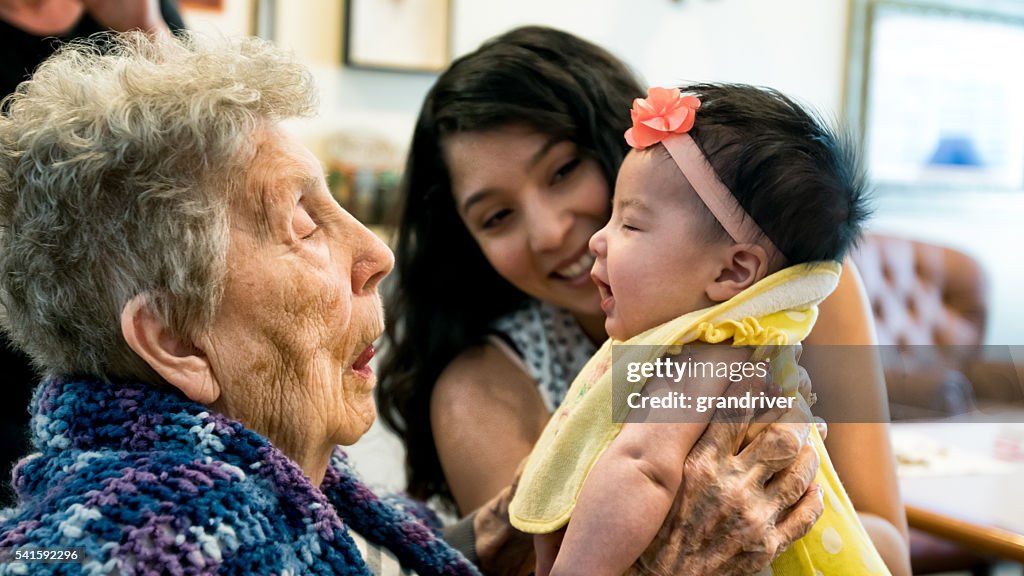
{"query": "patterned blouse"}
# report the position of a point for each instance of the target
(551, 344)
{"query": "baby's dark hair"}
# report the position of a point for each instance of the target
(798, 178)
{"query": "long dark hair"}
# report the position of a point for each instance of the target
(444, 294)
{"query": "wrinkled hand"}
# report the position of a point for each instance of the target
(735, 512)
(801, 411)
(124, 15)
(740, 503)
(807, 392)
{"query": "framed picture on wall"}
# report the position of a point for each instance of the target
(935, 88)
(409, 35)
(215, 5)
(264, 24)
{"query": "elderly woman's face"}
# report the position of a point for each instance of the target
(291, 341)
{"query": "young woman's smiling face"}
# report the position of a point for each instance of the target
(532, 202)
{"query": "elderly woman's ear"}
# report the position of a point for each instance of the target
(180, 363)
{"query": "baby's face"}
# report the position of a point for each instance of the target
(654, 259)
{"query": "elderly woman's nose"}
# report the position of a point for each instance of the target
(373, 262)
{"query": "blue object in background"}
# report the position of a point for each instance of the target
(955, 150)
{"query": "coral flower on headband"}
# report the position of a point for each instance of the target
(663, 113)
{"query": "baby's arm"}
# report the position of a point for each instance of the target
(631, 487)
(625, 498)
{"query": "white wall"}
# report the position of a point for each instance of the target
(665, 41)
(797, 46)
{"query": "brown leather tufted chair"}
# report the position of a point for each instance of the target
(930, 307)
(930, 310)
(923, 293)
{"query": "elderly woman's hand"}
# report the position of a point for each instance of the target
(801, 409)
(725, 519)
(500, 548)
(735, 512)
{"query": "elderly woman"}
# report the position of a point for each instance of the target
(204, 310)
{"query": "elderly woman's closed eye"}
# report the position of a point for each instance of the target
(204, 311)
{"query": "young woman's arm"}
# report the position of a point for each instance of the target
(858, 437)
(486, 414)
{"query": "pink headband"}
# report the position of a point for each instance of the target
(666, 116)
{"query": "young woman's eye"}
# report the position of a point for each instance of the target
(496, 219)
(565, 170)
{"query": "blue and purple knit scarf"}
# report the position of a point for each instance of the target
(148, 482)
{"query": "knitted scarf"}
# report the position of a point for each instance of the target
(148, 482)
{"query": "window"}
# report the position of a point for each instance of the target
(937, 90)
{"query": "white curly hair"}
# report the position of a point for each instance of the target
(117, 164)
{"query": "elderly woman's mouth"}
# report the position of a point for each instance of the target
(362, 363)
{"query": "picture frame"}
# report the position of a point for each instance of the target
(398, 35)
(932, 91)
(211, 5)
(264, 19)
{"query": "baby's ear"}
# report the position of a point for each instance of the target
(744, 265)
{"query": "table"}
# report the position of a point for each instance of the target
(963, 492)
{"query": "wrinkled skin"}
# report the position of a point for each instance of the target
(301, 306)
(721, 521)
(739, 508)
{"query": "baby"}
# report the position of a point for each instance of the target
(729, 220)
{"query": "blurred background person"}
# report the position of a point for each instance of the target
(30, 31)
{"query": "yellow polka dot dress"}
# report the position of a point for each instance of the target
(837, 544)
